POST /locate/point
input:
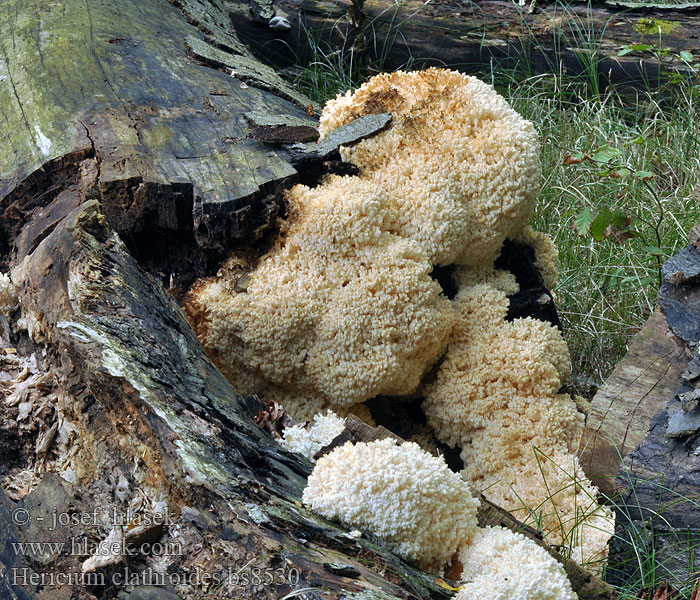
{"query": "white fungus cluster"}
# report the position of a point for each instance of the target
(404, 496)
(499, 564)
(344, 309)
(425, 513)
(496, 397)
(307, 440)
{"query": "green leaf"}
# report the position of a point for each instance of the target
(644, 174)
(686, 56)
(600, 223)
(640, 140)
(623, 172)
(584, 220)
(635, 48)
(642, 47)
(654, 250)
(619, 218)
(638, 281)
(605, 155)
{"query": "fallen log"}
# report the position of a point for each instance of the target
(579, 38)
(155, 94)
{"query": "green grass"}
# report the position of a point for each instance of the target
(649, 552)
(608, 289)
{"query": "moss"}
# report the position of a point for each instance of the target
(652, 26)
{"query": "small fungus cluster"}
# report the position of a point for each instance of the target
(403, 495)
(346, 308)
(308, 439)
(425, 513)
(8, 295)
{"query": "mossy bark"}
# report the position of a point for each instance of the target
(156, 92)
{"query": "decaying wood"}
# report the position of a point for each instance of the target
(532, 299)
(586, 586)
(151, 417)
(622, 410)
(328, 148)
(581, 38)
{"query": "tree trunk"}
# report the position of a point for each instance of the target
(157, 95)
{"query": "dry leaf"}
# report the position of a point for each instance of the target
(443, 584)
(274, 419)
(619, 235)
(572, 160)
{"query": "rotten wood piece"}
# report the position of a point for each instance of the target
(532, 299)
(658, 482)
(328, 148)
(622, 410)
